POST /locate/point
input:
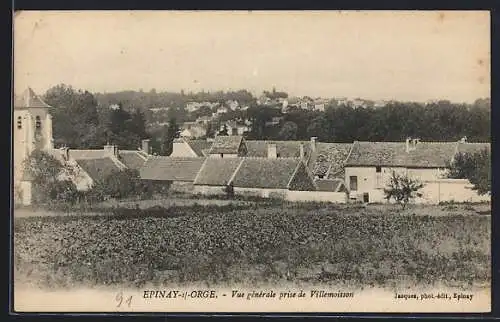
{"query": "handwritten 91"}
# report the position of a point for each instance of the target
(123, 301)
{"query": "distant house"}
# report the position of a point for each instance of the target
(176, 173)
(254, 176)
(193, 130)
(370, 165)
(183, 147)
(215, 175)
(235, 128)
(222, 110)
(272, 177)
(228, 147)
(91, 166)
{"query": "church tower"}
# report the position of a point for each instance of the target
(32, 130)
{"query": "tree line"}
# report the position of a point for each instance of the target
(81, 120)
(441, 121)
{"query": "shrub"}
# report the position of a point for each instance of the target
(476, 167)
(50, 179)
(402, 189)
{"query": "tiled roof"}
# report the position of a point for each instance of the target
(199, 146)
(226, 144)
(171, 168)
(425, 155)
(328, 184)
(217, 171)
(98, 168)
(29, 99)
(329, 157)
(132, 159)
(473, 147)
(285, 149)
(265, 173)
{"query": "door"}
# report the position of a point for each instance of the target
(353, 183)
(366, 197)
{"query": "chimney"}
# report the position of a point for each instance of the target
(65, 153)
(111, 150)
(145, 146)
(411, 144)
(313, 143)
(408, 144)
(301, 151)
(272, 151)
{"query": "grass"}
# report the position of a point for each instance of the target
(257, 243)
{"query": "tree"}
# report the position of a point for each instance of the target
(74, 113)
(288, 131)
(476, 167)
(210, 131)
(170, 132)
(50, 179)
(119, 184)
(402, 189)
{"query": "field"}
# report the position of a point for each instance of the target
(257, 244)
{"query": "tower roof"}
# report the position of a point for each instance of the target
(28, 99)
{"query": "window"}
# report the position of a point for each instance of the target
(19, 122)
(378, 169)
(38, 122)
(353, 183)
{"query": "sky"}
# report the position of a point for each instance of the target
(414, 56)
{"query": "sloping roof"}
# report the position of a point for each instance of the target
(217, 171)
(226, 144)
(98, 168)
(171, 168)
(265, 173)
(198, 146)
(473, 147)
(426, 154)
(328, 184)
(285, 149)
(132, 159)
(329, 157)
(29, 99)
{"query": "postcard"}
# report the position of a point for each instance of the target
(263, 161)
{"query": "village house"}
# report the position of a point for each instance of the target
(325, 160)
(370, 165)
(193, 130)
(261, 177)
(183, 147)
(228, 147)
(175, 173)
(236, 128)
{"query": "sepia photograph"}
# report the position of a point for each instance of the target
(251, 161)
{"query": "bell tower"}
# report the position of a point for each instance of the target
(32, 130)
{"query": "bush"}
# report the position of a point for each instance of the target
(402, 189)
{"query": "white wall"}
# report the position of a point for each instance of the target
(450, 190)
(225, 155)
(322, 196)
(208, 190)
(259, 192)
(182, 149)
(373, 183)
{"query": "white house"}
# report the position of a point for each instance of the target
(369, 166)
